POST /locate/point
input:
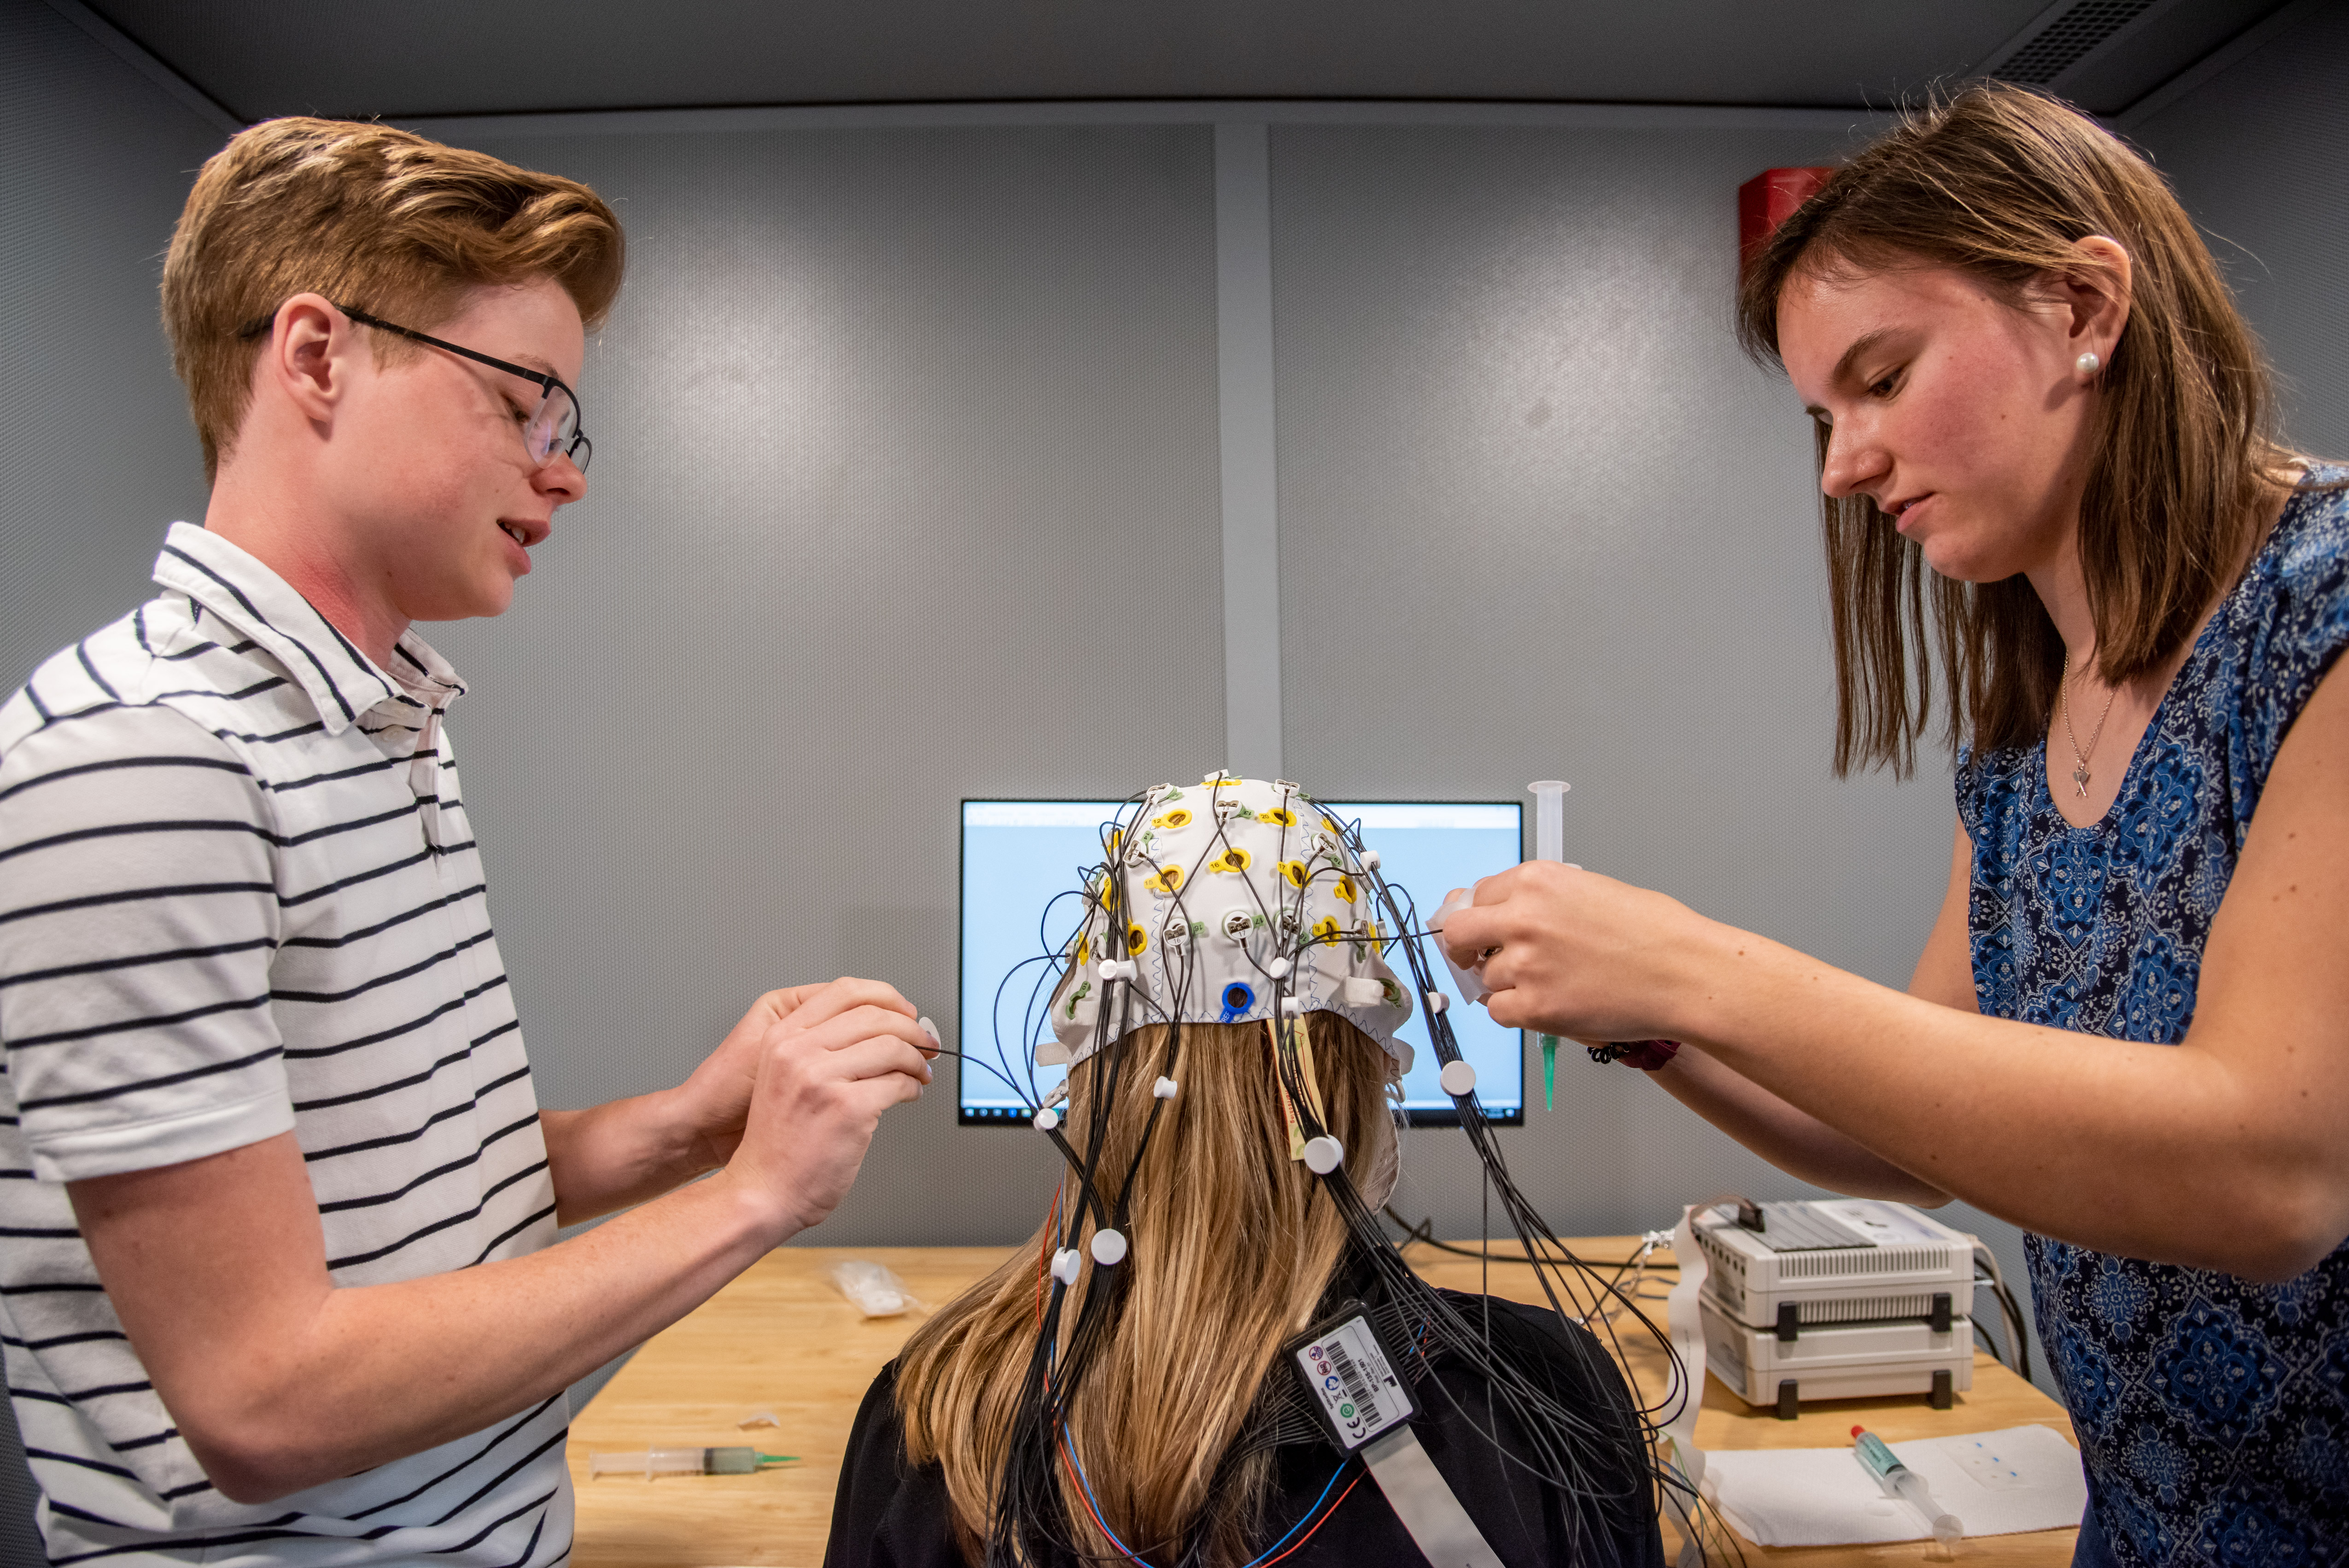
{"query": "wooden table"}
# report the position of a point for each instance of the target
(780, 1340)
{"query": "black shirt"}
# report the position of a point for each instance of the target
(886, 1516)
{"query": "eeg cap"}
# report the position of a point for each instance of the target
(1218, 902)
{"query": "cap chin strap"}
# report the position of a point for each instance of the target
(1425, 1503)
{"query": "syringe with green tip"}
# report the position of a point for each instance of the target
(1907, 1485)
(652, 1462)
(1549, 844)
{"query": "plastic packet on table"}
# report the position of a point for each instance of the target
(875, 1291)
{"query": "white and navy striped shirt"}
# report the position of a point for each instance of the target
(239, 896)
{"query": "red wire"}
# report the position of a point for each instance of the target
(1322, 1520)
(1068, 1463)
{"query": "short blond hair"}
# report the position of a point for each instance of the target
(381, 220)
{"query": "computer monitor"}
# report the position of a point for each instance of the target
(1020, 855)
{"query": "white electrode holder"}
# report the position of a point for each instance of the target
(1470, 981)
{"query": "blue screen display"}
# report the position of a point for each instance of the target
(1019, 856)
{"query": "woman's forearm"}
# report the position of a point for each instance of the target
(2156, 1151)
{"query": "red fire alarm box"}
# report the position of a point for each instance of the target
(1768, 200)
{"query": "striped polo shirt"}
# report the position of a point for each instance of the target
(239, 896)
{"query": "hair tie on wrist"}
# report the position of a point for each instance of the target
(1645, 1054)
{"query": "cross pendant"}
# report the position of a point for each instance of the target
(2080, 779)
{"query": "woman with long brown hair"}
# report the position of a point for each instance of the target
(1128, 1387)
(2046, 444)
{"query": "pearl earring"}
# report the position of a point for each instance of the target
(2088, 364)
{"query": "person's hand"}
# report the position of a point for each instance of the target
(1567, 951)
(717, 1095)
(824, 1073)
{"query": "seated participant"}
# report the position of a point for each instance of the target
(1126, 1387)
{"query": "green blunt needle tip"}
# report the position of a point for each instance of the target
(1549, 1071)
(778, 1458)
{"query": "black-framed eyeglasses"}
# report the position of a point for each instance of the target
(555, 425)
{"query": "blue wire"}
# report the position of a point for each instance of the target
(1079, 1466)
(1069, 1448)
(1301, 1521)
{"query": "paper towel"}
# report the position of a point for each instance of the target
(2024, 1478)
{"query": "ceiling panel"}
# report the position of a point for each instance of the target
(263, 58)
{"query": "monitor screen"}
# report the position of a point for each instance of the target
(1020, 856)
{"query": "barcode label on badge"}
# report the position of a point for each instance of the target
(1346, 1368)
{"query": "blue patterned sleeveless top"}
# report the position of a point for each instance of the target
(2213, 1412)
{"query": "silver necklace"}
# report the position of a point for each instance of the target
(2064, 705)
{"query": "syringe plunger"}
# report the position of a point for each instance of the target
(1549, 844)
(1550, 818)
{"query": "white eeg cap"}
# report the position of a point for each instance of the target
(1206, 887)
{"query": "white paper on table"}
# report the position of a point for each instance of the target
(1997, 1483)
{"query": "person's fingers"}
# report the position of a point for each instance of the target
(820, 1004)
(1468, 932)
(875, 1056)
(1499, 886)
(867, 1023)
(874, 994)
(862, 1102)
(783, 1001)
(1510, 1008)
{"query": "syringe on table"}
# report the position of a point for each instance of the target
(653, 1462)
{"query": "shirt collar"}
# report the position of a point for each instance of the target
(342, 682)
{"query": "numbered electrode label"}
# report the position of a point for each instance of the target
(1360, 1394)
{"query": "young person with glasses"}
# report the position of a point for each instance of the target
(280, 1282)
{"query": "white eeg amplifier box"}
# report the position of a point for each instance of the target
(1854, 1362)
(1836, 1299)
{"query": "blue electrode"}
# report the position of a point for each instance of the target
(1906, 1484)
(1549, 844)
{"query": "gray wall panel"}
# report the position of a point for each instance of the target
(905, 466)
(2260, 155)
(1539, 518)
(94, 443)
(96, 451)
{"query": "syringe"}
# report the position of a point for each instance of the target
(1549, 844)
(654, 1462)
(1908, 1486)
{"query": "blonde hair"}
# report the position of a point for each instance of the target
(1233, 1245)
(378, 219)
(1999, 183)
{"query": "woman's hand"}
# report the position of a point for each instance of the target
(1567, 951)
